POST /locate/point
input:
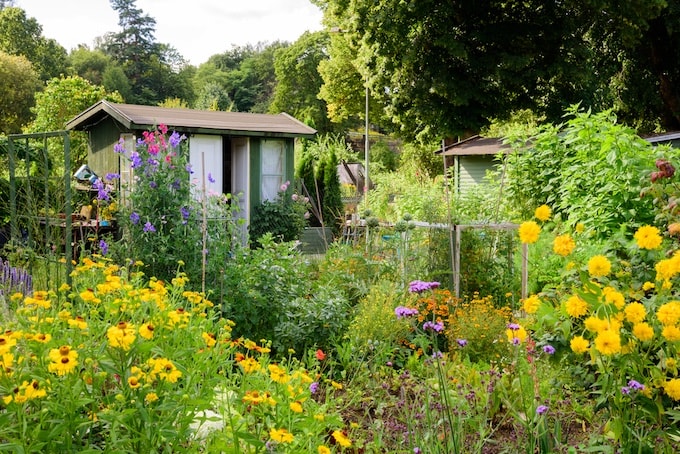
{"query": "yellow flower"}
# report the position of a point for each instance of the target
(669, 313)
(528, 232)
(42, 338)
(672, 388)
(89, 297)
(579, 345)
(122, 335)
(78, 322)
(563, 245)
(296, 406)
(543, 213)
(576, 307)
(599, 266)
(580, 228)
(323, 450)
(164, 368)
(643, 331)
(671, 333)
(520, 334)
(209, 339)
(611, 296)
(667, 268)
(671, 363)
(32, 390)
(56, 354)
(635, 312)
(64, 366)
(6, 342)
(342, 439)
(608, 342)
(249, 365)
(647, 286)
(133, 382)
(647, 237)
(278, 374)
(146, 331)
(595, 324)
(531, 304)
(151, 397)
(336, 385)
(281, 435)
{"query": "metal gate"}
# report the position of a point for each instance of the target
(40, 205)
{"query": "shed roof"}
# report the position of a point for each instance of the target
(136, 117)
(663, 137)
(475, 145)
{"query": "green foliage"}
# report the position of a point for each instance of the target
(18, 83)
(382, 158)
(298, 81)
(20, 35)
(589, 170)
(283, 219)
(63, 99)
(331, 204)
(374, 322)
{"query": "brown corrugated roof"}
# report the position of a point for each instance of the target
(475, 145)
(136, 117)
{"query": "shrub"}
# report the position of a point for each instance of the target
(284, 218)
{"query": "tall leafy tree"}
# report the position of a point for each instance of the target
(20, 35)
(63, 99)
(299, 81)
(18, 84)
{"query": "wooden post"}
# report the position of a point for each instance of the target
(525, 269)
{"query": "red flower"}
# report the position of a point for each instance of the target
(320, 355)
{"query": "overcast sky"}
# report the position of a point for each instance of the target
(196, 28)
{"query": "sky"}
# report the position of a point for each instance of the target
(196, 28)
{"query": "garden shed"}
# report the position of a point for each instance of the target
(245, 154)
(470, 159)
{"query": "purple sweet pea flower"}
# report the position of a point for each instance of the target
(549, 349)
(210, 178)
(175, 139)
(189, 169)
(111, 176)
(135, 160)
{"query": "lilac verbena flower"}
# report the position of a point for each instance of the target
(403, 311)
(134, 218)
(625, 390)
(516, 341)
(437, 355)
(513, 326)
(103, 247)
(314, 387)
(461, 342)
(421, 286)
(541, 410)
(432, 326)
(148, 227)
(417, 450)
(549, 349)
(636, 385)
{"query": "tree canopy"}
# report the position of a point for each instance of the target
(18, 82)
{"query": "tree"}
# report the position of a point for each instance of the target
(63, 99)
(18, 84)
(20, 35)
(299, 81)
(245, 74)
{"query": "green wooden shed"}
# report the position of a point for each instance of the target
(468, 160)
(246, 154)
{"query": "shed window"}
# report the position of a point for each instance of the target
(273, 168)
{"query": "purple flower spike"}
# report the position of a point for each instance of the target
(134, 218)
(103, 247)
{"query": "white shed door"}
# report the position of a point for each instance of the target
(205, 156)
